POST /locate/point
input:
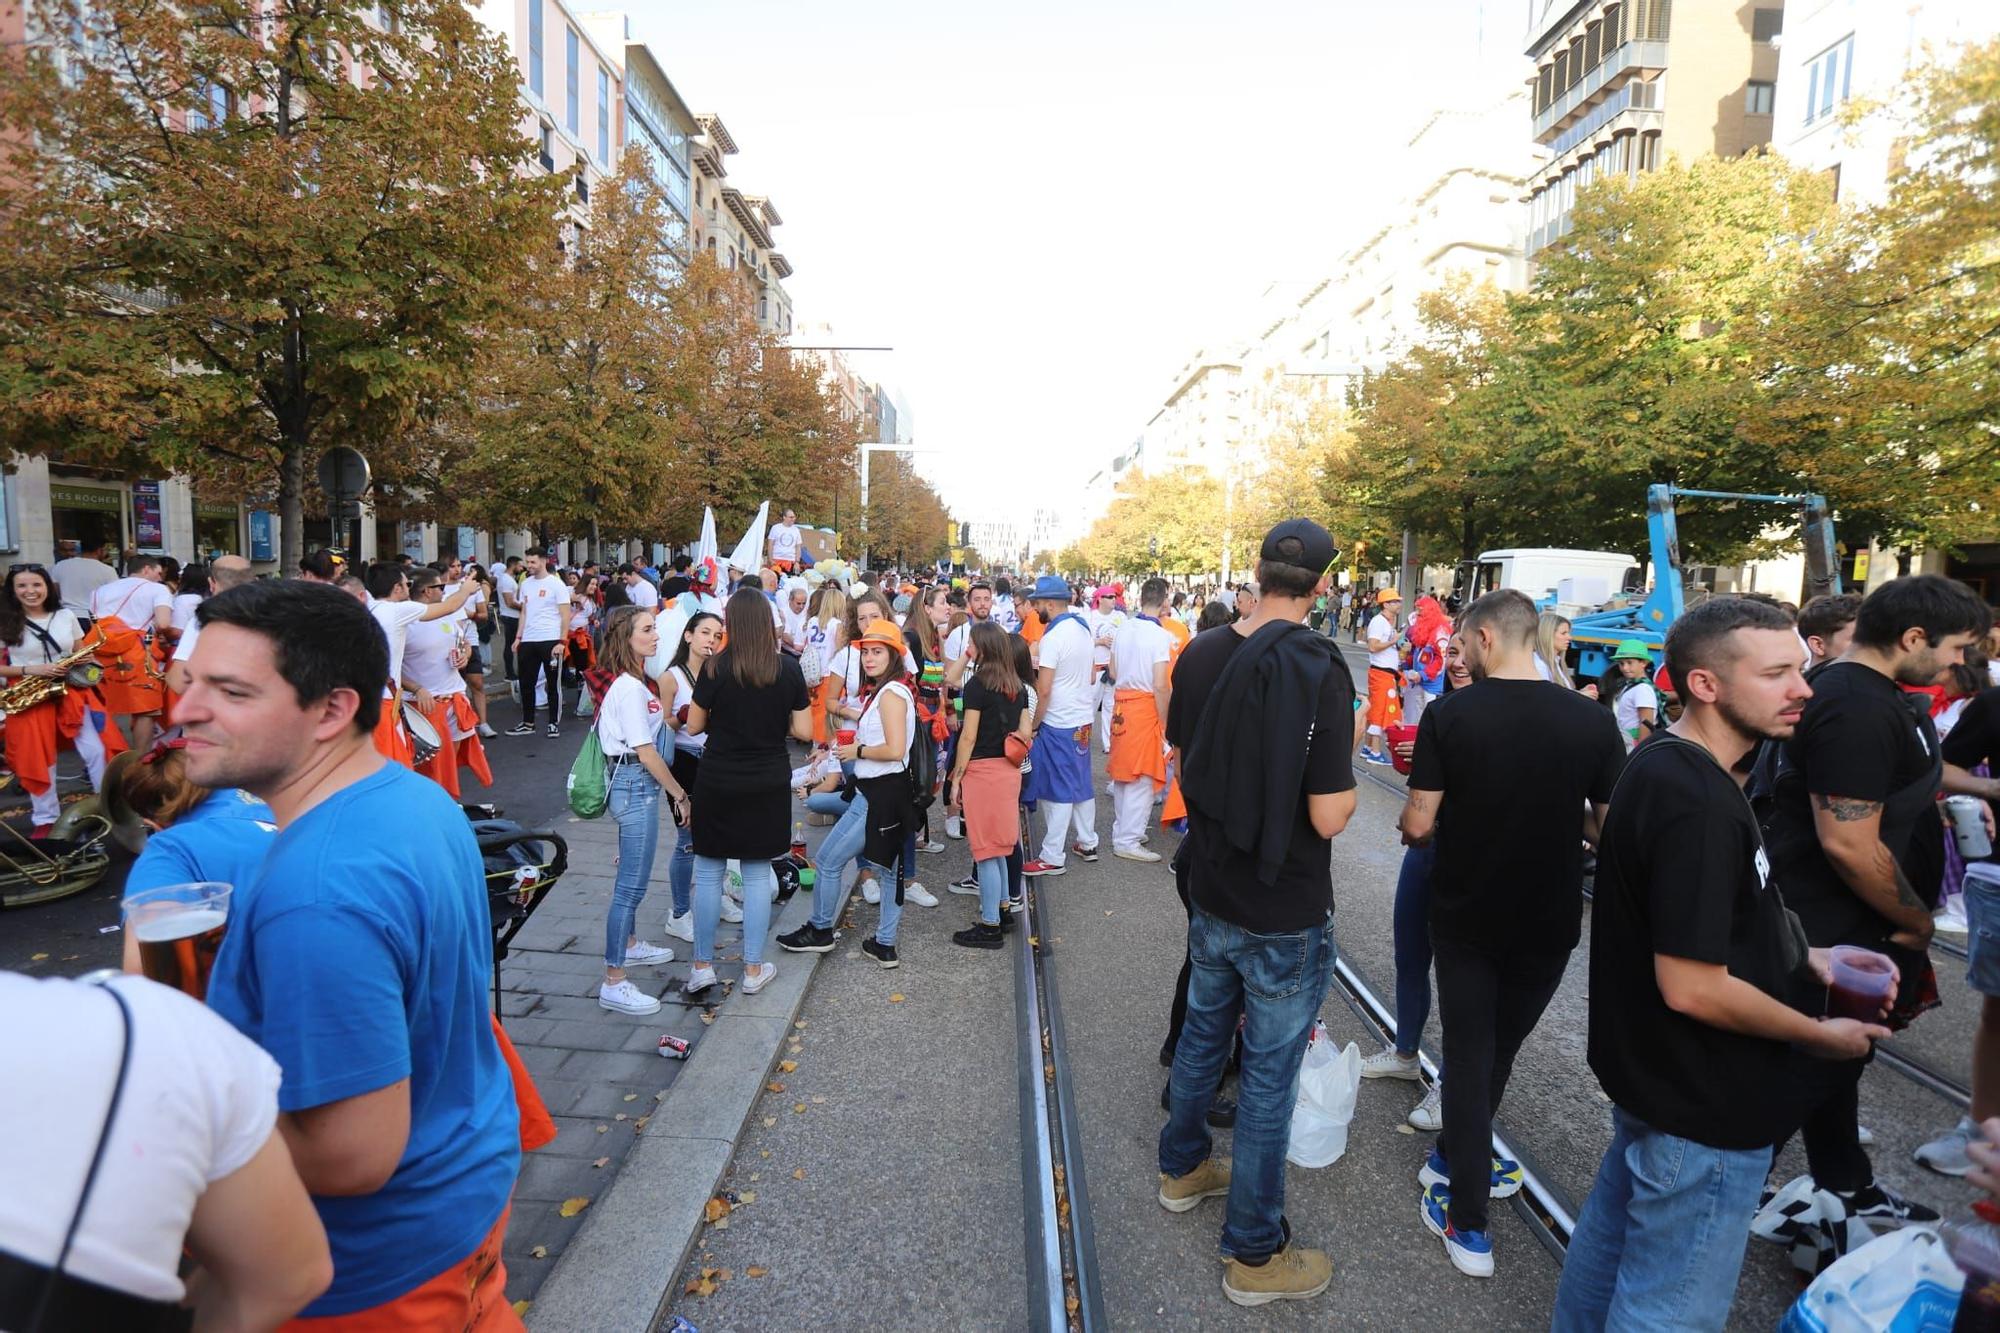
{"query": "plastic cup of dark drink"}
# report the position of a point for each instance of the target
(1863, 984)
(179, 928)
(844, 736)
(1400, 734)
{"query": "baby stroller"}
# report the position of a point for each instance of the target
(522, 865)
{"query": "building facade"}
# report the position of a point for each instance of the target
(1619, 85)
(572, 90)
(657, 122)
(735, 228)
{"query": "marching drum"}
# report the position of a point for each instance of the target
(424, 739)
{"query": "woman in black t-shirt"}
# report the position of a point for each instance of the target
(987, 778)
(748, 701)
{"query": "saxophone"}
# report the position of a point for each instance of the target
(80, 669)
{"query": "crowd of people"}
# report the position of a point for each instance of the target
(1763, 797)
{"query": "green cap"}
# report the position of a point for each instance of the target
(1633, 649)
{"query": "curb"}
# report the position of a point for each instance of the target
(618, 1273)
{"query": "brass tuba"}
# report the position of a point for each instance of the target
(80, 669)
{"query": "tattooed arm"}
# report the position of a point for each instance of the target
(1419, 818)
(1850, 832)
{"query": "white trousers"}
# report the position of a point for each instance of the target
(47, 806)
(1055, 843)
(1107, 706)
(1131, 807)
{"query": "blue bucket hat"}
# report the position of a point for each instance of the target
(1050, 587)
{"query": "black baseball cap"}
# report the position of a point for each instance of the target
(1301, 542)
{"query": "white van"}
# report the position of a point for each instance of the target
(1578, 580)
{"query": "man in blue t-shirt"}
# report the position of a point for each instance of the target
(360, 959)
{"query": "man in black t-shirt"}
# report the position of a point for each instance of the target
(1860, 770)
(1692, 957)
(1501, 775)
(1263, 724)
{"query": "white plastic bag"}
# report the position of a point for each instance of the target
(1329, 1081)
(1903, 1282)
(1811, 1223)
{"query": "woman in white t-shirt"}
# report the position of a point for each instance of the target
(880, 752)
(628, 729)
(167, 1117)
(699, 639)
(35, 631)
(193, 587)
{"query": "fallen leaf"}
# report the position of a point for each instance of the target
(701, 1286)
(755, 1270)
(521, 1307)
(747, 1196)
(571, 1207)
(787, 1066)
(539, 1252)
(602, 1162)
(660, 1096)
(800, 1025)
(756, 1176)
(1405, 1129)
(707, 1016)
(1035, 940)
(723, 1275)
(819, 1101)
(799, 1109)
(640, 1123)
(723, 1225)
(716, 1209)
(604, 1129)
(621, 1116)
(769, 1121)
(799, 1174)
(1107, 914)
(775, 1086)
(38, 958)
(897, 998)
(631, 1096)
(766, 1153)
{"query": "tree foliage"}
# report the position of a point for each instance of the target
(237, 234)
(906, 521)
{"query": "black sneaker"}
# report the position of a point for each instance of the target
(979, 935)
(1884, 1206)
(521, 729)
(554, 731)
(1006, 923)
(808, 939)
(885, 954)
(1087, 853)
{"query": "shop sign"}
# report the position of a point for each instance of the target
(65, 496)
(261, 545)
(149, 531)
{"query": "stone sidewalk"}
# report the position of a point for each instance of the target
(610, 1091)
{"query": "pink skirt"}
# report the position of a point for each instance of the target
(991, 793)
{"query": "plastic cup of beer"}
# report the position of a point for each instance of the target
(179, 929)
(1863, 983)
(843, 736)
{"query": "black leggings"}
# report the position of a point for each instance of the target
(532, 659)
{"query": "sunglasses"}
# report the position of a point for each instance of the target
(12, 570)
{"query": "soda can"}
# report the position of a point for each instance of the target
(672, 1047)
(1968, 826)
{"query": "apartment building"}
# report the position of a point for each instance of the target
(735, 228)
(1838, 51)
(1621, 84)
(657, 120)
(572, 89)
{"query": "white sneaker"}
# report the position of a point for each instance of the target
(914, 892)
(732, 911)
(681, 926)
(871, 890)
(1429, 1115)
(486, 732)
(1135, 853)
(1946, 1153)
(934, 847)
(758, 977)
(643, 954)
(699, 980)
(1951, 920)
(954, 827)
(625, 998)
(1392, 1063)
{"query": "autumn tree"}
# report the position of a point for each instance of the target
(570, 421)
(1884, 363)
(906, 521)
(238, 233)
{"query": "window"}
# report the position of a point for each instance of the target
(573, 65)
(211, 108)
(1757, 98)
(1828, 78)
(1766, 24)
(548, 149)
(535, 47)
(603, 115)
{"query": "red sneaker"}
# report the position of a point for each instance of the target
(1038, 867)
(41, 830)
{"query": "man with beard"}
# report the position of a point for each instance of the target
(1692, 955)
(1863, 765)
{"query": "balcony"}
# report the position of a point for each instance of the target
(1631, 97)
(1630, 56)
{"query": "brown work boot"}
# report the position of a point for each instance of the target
(1208, 1181)
(1292, 1274)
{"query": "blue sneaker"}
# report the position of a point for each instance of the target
(1470, 1252)
(1375, 757)
(1506, 1181)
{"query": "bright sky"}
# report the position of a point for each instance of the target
(1046, 207)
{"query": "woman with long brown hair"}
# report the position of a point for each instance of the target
(748, 701)
(36, 630)
(987, 777)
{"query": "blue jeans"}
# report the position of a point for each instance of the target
(1661, 1239)
(1279, 983)
(680, 872)
(841, 844)
(760, 886)
(992, 873)
(634, 801)
(1413, 946)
